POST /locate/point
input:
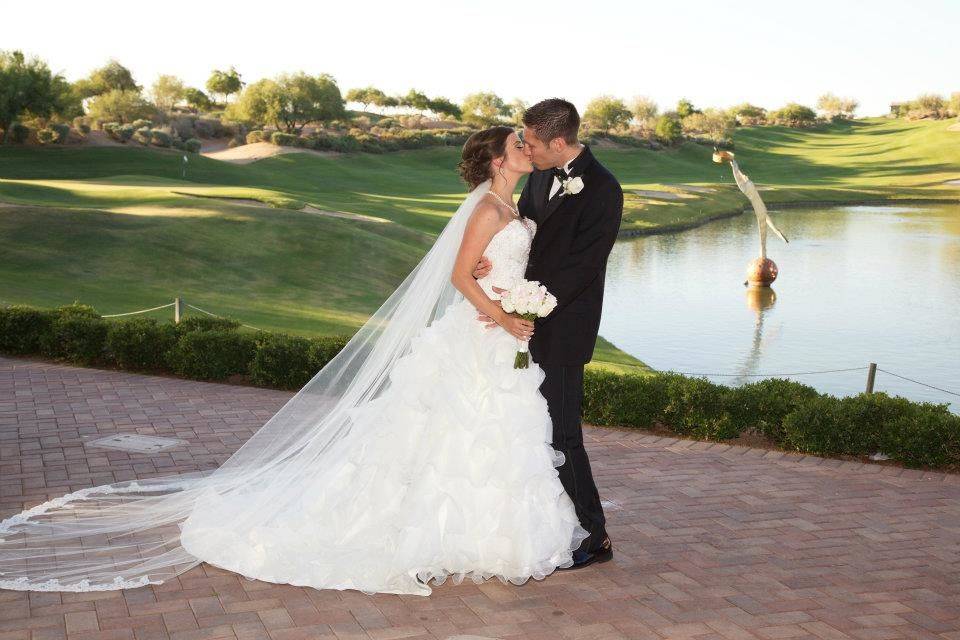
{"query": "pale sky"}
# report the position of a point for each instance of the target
(715, 53)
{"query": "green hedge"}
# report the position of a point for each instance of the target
(793, 415)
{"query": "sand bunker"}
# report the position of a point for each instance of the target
(309, 208)
(662, 195)
(694, 188)
(247, 153)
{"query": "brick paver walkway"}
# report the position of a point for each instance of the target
(711, 541)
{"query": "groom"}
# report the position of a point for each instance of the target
(577, 204)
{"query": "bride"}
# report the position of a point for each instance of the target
(417, 454)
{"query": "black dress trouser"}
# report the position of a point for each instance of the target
(563, 389)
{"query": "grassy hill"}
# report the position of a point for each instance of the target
(121, 229)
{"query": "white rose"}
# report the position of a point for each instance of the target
(549, 304)
(506, 304)
(573, 185)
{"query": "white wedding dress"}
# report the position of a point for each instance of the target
(458, 480)
(417, 454)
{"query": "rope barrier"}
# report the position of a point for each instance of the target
(216, 316)
(117, 315)
(953, 393)
(686, 373)
(763, 375)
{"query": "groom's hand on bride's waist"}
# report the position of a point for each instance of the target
(483, 268)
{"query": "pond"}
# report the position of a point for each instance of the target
(856, 284)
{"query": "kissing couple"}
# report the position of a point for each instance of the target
(420, 452)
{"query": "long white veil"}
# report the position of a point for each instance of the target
(127, 534)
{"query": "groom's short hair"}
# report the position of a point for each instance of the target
(553, 118)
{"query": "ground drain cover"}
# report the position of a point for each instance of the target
(136, 443)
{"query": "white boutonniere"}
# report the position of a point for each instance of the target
(572, 186)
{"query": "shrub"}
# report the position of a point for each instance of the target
(922, 435)
(193, 145)
(256, 136)
(84, 128)
(281, 361)
(125, 132)
(63, 131)
(205, 323)
(143, 136)
(623, 399)
(793, 115)
(77, 334)
(46, 136)
(142, 123)
(821, 426)
(668, 128)
(285, 139)
(210, 128)
(324, 349)
(761, 406)
(140, 343)
(21, 328)
(19, 133)
(161, 138)
(697, 407)
(211, 355)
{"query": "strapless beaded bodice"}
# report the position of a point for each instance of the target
(508, 251)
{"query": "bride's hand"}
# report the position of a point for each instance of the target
(516, 326)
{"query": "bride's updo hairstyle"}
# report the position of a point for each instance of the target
(478, 151)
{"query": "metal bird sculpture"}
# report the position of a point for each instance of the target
(762, 271)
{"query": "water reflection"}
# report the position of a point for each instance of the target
(857, 284)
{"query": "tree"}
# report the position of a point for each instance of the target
(834, 108)
(290, 102)
(120, 105)
(197, 99)
(112, 76)
(685, 108)
(167, 91)
(515, 111)
(606, 113)
(415, 100)
(366, 96)
(28, 87)
(442, 106)
(668, 127)
(483, 109)
(224, 83)
(644, 109)
(712, 124)
(748, 114)
(793, 115)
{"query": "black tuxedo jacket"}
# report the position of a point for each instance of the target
(575, 233)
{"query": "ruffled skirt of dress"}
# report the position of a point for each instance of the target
(456, 478)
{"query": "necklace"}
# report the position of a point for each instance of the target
(513, 208)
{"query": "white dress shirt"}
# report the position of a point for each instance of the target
(556, 181)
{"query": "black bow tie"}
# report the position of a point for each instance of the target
(560, 174)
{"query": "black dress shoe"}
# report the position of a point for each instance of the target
(585, 558)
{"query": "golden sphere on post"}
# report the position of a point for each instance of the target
(761, 272)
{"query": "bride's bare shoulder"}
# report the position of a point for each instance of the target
(485, 215)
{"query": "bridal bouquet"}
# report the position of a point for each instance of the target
(529, 299)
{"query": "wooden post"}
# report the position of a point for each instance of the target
(177, 309)
(871, 374)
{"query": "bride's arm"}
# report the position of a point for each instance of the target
(483, 224)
